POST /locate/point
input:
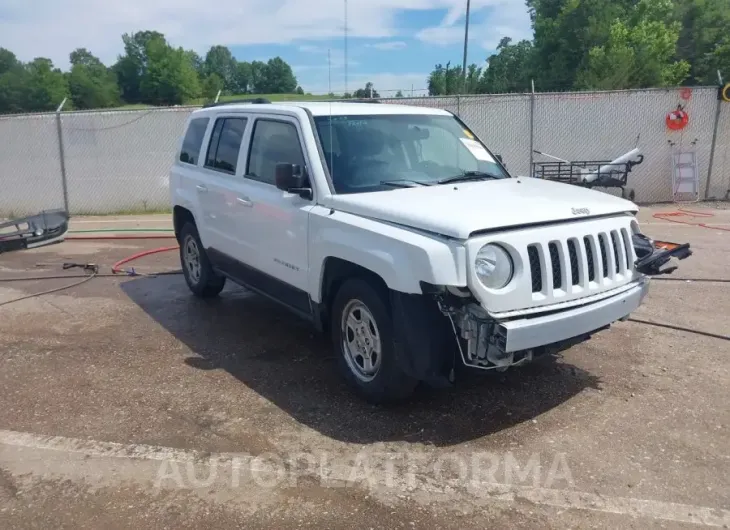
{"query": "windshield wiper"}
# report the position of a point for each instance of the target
(402, 183)
(469, 175)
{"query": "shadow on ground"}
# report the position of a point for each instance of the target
(285, 361)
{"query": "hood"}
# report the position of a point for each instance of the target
(460, 209)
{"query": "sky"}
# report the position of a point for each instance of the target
(392, 43)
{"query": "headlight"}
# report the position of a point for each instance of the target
(493, 266)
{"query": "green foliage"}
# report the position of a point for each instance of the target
(46, 86)
(220, 61)
(131, 67)
(243, 78)
(510, 69)
(212, 84)
(602, 44)
(704, 39)
(168, 78)
(8, 61)
(279, 77)
(639, 53)
(257, 80)
(14, 80)
(367, 92)
(91, 84)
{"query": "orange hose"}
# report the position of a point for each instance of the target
(115, 267)
(667, 216)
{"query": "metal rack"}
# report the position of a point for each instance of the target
(588, 173)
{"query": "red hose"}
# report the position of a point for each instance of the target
(667, 216)
(115, 267)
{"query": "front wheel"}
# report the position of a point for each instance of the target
(362, 333)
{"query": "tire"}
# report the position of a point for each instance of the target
(376, 378)
(199, 274)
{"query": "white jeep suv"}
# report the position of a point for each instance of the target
(396, 230)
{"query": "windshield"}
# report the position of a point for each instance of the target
(384, 152)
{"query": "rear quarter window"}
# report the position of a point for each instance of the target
(193, 141)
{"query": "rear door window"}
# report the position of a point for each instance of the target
(225, 144)
(193, 141)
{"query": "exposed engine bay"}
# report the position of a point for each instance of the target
(33, 231)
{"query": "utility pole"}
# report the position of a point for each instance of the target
(466, 43)
(345, 46)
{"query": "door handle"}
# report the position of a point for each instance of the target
(245, 201)
(201, 189)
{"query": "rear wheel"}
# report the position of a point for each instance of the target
(362, 333)
(199, 274)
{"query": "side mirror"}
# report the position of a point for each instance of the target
(292, 178)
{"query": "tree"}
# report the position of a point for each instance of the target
(367, 92)
(258, 81)
(14, 80)
(46, 86)
(91, 84)
(703, 40)
(212, 84)
(510, 69)
(8, 61)
(197, 62)
(639, 52)
(169, 77)
(279, 77)
(446, 81)
(221, 62)
(299, 90)
(132, 66)
(565, 32)
(399, 94)
(243, 78)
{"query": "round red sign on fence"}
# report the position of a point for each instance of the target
(685, 94)
(677, 120)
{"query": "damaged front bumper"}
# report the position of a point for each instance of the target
(33, 231)
(530, 333)
(487, 341)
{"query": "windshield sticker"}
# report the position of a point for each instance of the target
(477, 150)
(468, 134)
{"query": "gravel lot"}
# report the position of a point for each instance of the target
(128, 403)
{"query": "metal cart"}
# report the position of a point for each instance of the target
(590, 173)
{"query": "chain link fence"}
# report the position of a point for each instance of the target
(104, 162)
(30, 165)
(719, 185)
(119, 161)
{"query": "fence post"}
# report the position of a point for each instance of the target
(59, 129)
(713, 146)
(532, 127)
(458, 105)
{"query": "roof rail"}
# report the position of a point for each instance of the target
(255, 101)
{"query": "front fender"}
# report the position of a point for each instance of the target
(401, 256)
